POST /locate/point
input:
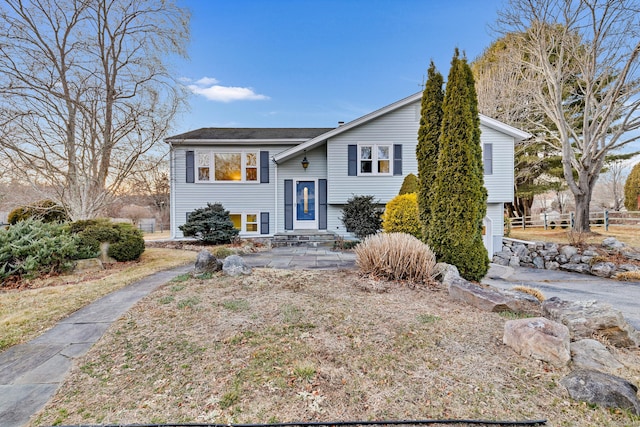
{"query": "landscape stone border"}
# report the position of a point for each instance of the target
(554, 256)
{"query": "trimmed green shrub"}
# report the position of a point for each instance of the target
(32, 247)
(129, 244)
(211, 225)
(44, 210)
(396, 256)
(409, 185)
(401, 215)
(362, 216)
(126, 243)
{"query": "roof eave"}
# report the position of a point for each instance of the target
(178, 141)
(517, 134)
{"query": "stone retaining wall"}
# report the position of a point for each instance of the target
(553, 256)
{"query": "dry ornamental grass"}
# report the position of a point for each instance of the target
(283, 345)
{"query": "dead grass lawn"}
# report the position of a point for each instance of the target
(26, 313)
(282, 345)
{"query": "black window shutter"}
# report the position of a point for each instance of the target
(264, 167)
(191, 175)
(264, 222)
(487, 158)
(322, 204)
(288, 204)
(352, 155)
(397, 159)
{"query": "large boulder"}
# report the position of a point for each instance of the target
(491, 299)
(602, 389)
(592, 354)
(234, 265)
(207, 263)
(585, 318)
(539, 338)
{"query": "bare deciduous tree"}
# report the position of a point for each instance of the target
(86, 91)
(587, 53)
(150, 181)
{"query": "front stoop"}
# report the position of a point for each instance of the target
(304, 238)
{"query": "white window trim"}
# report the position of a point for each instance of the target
(374, 159)
(212, 171)
(243, 222)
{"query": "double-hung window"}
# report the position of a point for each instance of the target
(227, 166)
(374, 159)
(245, 222)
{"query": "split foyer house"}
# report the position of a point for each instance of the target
(283, 180)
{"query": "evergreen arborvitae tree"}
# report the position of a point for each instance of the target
(632, 189)
(427, 148)
(458, 196)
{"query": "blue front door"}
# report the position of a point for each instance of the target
(306, 203)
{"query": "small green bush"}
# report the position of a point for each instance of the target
(44, 210)
(401, 215)
(129, 244)
(396, 256)
(32, 247)
(409, 185)
(362, 216)
(126, 243)
(211, 225)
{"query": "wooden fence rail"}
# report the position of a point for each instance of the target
(566, 221)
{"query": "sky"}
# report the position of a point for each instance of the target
(312, 63)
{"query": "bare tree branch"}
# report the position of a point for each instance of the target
(86, 91)
(587, 52)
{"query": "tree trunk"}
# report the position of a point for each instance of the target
(581, 220)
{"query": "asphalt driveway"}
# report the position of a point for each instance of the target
(623, 296)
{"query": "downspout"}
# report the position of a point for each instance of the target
(172, 191)
(275, 201)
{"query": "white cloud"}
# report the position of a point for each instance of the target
(207, 81)
(208, 87)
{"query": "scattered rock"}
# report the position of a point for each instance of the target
(234, 265)
(585, 318)
(603, 269)
(551, 265)
(514, 261)
(592, 354)
(612, 243)
(628, 267)
(539, 338)
(575, 267)
(538, 262)
(446, 273)
(207, 263)
(568, 251)
(491, 299)
(87, 265)
(602, 389)
(630, 254)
